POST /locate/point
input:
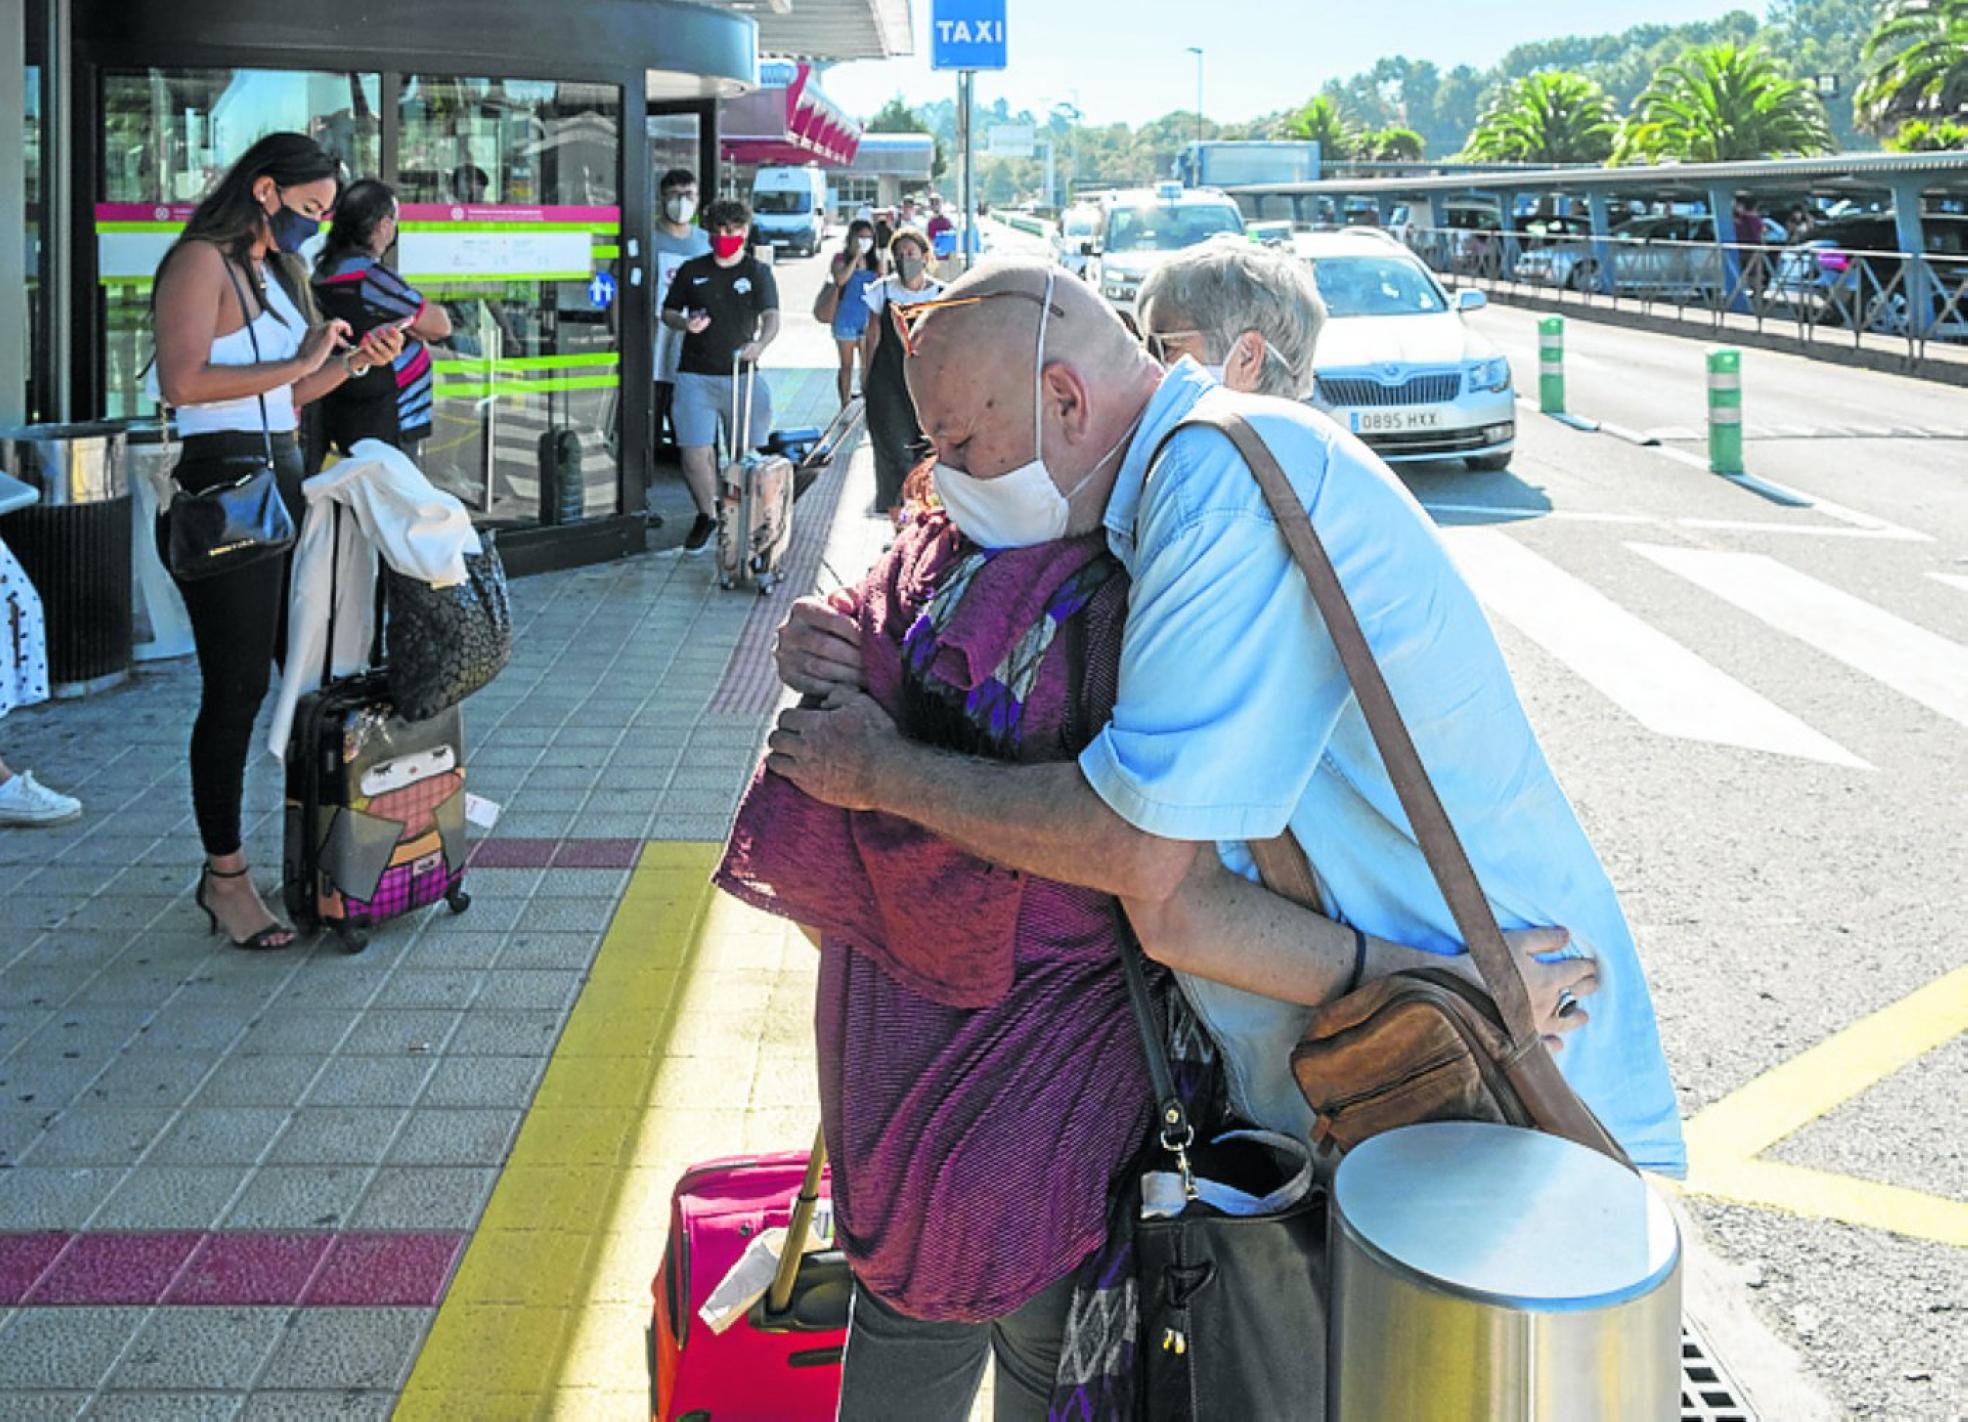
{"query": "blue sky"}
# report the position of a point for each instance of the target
(1128, 60)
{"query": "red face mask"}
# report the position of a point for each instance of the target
(727, 247)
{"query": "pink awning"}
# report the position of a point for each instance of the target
(793, 123)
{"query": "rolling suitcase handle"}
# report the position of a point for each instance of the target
(747, 380)
(781, 1292)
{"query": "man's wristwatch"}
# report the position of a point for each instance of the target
(356, 368)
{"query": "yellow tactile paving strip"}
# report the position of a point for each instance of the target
(691, 1039)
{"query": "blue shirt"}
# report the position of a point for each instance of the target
(1235, 719)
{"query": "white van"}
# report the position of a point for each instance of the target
(789, 208)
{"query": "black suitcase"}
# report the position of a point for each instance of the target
(375, 825)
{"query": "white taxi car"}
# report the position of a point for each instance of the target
(1396, 363)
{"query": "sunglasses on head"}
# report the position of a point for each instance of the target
(1157, 344)
(907, 318)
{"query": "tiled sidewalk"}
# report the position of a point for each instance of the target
(237, 1185)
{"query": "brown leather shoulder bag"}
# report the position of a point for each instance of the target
(1415, 1046)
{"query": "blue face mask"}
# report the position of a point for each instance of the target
(291, 229)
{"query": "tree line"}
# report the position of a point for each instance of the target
(1814, 76)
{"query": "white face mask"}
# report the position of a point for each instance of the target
(864, 245)
(1023, 507)
(681, 209)
(1214, 372)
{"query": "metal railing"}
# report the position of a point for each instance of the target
(1914, 306)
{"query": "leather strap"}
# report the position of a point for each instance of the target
(1285, 868)
(266, 425)
(1446, 858)
(1171, 1116)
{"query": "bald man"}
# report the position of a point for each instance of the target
(1235, 719)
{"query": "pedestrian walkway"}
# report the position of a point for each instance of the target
(237, 1185)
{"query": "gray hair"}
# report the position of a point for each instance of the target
(1229, 285)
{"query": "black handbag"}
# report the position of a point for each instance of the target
(235, 524)
(1232, 1314)
(445, 643)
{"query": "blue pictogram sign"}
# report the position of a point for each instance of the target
(967, 34)
(601, 291)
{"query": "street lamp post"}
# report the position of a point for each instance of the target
(1198, 52)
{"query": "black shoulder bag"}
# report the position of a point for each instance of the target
(236, 524)
(1232, 1305)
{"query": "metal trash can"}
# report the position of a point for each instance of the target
(75, 546)
(1484, 1273)
(161, 627)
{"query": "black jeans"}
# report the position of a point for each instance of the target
(901, 1369)
(239, 625)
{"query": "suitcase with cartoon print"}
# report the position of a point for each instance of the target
(375, 811)
(754, 501)
(771, 1364)
(375, 825)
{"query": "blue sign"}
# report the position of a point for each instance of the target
(601, 291)
(967, 34)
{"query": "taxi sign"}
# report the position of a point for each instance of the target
(967, 34)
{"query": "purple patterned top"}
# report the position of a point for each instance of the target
(981, 1081)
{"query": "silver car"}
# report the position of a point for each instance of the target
(1397, 365)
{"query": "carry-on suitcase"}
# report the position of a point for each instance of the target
(755, 500)
(780, 1361)
(375, 825)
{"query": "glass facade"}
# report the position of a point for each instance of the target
(167, 135)
(36, 397)
(510, 198)
(511, 218)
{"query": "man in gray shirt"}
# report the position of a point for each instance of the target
(676, 240)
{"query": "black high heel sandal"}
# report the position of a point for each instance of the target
(261, 942)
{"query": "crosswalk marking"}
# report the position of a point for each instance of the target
(1913, 661)
(1953, 580)
(1656, 680)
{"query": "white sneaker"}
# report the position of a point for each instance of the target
(25, 801)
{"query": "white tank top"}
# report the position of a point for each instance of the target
(278, 341)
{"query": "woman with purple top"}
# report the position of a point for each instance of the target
(981, 1079)
(982, 1083)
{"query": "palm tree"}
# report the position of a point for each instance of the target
(1323, 121)
(1916, 63)
(1548, 117)
(1391, 145)
(1722, 103)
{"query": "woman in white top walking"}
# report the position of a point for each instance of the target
(892, 429)
(237, 388)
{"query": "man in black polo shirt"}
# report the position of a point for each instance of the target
(727, 306)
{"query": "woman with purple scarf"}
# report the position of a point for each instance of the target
(981, 1079)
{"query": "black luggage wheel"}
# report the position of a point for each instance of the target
(351, 940)
(457, 901)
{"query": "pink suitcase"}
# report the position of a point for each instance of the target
(773, 1365)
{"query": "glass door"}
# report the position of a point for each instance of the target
(511, 218)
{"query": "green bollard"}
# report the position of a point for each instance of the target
(1725, 412)
(1551, 365)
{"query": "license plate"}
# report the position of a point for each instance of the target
(1395, 421)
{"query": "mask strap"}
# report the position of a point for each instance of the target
(1038, 376)
(1125, 440)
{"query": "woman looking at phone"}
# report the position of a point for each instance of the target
(239, 349)
(392, 401)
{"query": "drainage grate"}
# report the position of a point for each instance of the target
(1708, 1394)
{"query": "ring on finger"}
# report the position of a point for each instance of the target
(1567, 1003)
